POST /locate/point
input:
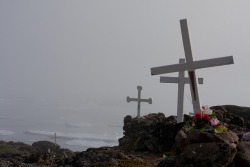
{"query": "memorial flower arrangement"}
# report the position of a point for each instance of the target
(207, 121)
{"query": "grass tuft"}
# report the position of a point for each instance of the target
(8, 150)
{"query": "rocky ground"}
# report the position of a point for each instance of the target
(154, 140)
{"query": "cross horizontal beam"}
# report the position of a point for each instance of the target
(139, 100)
(176, 80)
(193, 65)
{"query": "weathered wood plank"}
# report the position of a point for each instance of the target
(176, 80)
(193, 65)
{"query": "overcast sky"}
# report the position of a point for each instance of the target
(97, 52)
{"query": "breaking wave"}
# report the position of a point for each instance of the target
(86, 143)
(6, 132)
(72, 136)
(80, 125)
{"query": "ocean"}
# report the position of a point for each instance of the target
(77, 127)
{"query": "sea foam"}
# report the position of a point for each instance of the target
(71, 136)
(6, 132)
(80, 125)
(85, 143)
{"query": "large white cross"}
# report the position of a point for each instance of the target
(181, 80)
(191, 66)
(139, 100)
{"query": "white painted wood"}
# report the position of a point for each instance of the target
(180, 94)
(191, 66)
(186, 41)
(169, 79)
(169, 69)
(212, 62)
(176, 80)
(139, 100)
(181, 80)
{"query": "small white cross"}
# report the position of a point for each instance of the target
(181, 80)
(139, 100)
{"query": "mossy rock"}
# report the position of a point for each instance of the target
(8, 150)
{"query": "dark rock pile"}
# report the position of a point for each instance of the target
(98, 155)
(227, 149)
(114, 156)
(206, 149)
(237, 117)
(153, 132)
(48, 147)
(42, 153)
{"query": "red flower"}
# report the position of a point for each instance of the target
(203, 108)
(198, 116)
(206, 117)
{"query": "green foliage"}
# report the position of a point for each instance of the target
(213, 116)
(190, 128)
(7, 150)
(202, 129)
(219, 129)
(201, 124)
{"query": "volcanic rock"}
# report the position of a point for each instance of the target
(234, 111)
(46, 146)
(242, 158)
(206, 149)
(152, 132)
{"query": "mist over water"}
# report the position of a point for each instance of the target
(28, 122)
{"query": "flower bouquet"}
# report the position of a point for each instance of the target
(207, 121)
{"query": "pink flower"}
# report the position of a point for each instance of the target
(198, 116)
(246, 136)
(215, 122)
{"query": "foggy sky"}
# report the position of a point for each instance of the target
(95, 53)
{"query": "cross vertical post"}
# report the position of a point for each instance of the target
(139, 102)
(55, 138)
(181, 80)
(191, 73)
(180, 94)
